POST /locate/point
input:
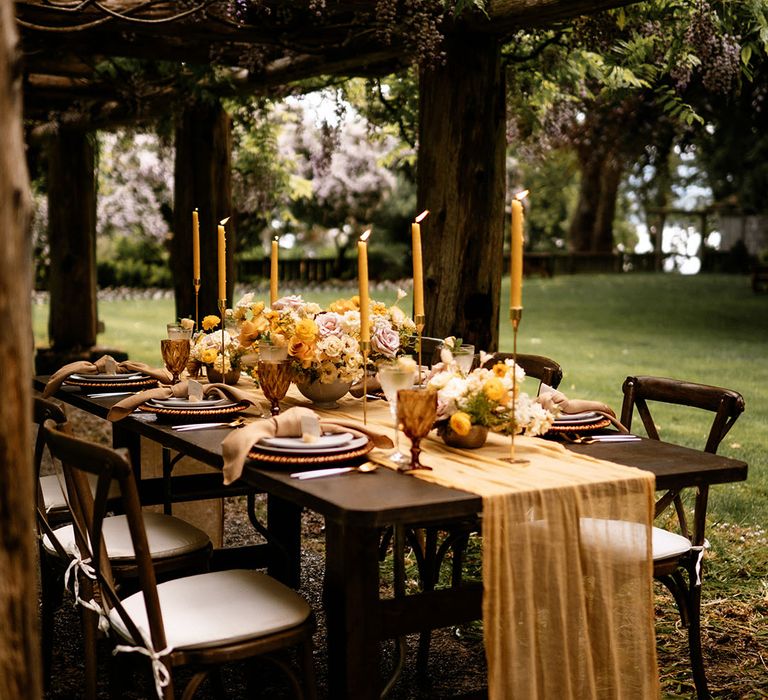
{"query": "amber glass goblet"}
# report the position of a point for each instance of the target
(175, 355)
(274, 378)
(416, 411)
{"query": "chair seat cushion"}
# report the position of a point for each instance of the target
(629, 536)
(53, 498)
(167, 535)
(217, 608)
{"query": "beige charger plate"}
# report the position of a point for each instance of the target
(98, 386)
(194, 415)
(314, 458)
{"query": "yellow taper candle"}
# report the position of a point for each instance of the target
(516, 255)
(222, 249)
(418, 268)
(195, 246)
(362, 281)
(273, 273)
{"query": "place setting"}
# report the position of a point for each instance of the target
(106, 377)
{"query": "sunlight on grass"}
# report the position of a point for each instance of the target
(600, 328)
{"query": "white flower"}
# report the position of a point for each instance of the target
(331, 346)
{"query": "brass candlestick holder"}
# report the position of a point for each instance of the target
(420, 322)
(365, 347)
(222, 313)
(196, 285)
(515, 314)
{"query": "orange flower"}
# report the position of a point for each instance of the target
(500, 369)
(251, 330)
(210, 322)
(460, 423)
(341, 306)
(303, 352)
(494, 389)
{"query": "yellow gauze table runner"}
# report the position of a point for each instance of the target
(567, 566)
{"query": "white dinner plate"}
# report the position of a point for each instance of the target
(297, 443)
(185, 403)
(577, 418)
(111, 378)
(353, 444)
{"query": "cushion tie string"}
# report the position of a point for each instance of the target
(85, 568)
(159, 670)
(697, 568)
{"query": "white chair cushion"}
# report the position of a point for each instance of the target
(217, 608)
(167, 536)
(627, 536)
(53, 498)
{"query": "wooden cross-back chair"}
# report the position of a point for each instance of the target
(202, 620)
(175, 546)
(672, 553)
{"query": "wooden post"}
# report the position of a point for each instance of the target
(461, 180)
(20, 671)
(202, 179)
(72, 237)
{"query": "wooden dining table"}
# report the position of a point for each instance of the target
(356, 508)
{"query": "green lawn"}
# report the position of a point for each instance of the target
(600, 328)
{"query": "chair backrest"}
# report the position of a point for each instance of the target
(727, 405)
(42, 411)
(78, 459)
(546, 370)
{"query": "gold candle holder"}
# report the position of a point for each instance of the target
(196, 285)
(222, 313)
(515, 315)
(365, 347)
(420, 322)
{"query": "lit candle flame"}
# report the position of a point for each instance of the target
(422, 216)
(365, 235)
(522, 195)
(223, 221)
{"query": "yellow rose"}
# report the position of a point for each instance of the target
(306, 330)
(341, 306)
(500, 369)
(379, 309)
(210, 322)
(460, 423)
(494, 389)
(257, 308)
(209, 355)
(251, 330)
(302, 351)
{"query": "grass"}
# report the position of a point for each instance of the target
(709, 329)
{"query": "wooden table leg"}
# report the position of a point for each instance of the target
(351, 597)
(284, 528)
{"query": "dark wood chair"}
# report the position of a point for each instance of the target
(677, 557)
(202, 620)
(175, 546)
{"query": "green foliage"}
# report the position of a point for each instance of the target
(132, 261)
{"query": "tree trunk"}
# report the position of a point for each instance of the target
(20, 675)
(72, 238)
(202, 180)
(584, 216)
(610, 179)
(461, 180)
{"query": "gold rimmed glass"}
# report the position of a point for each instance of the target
(393, 376)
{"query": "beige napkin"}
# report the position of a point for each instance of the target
(236, 445)
(557, 402)
(181, 390)
(100, 367)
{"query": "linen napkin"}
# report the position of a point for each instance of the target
(101, 367)
(181, 390)
(236, 445)
(557, 402)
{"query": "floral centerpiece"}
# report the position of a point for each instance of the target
(206, 349)
(483, 400)
(323, 344)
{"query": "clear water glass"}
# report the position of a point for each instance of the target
(393, 376)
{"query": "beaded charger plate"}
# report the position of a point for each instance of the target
(96, 385)
(197, 415)
(563, 427)
(315, 458)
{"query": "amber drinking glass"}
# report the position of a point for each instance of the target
(274, 378)
(175, 355)
(416, 411)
